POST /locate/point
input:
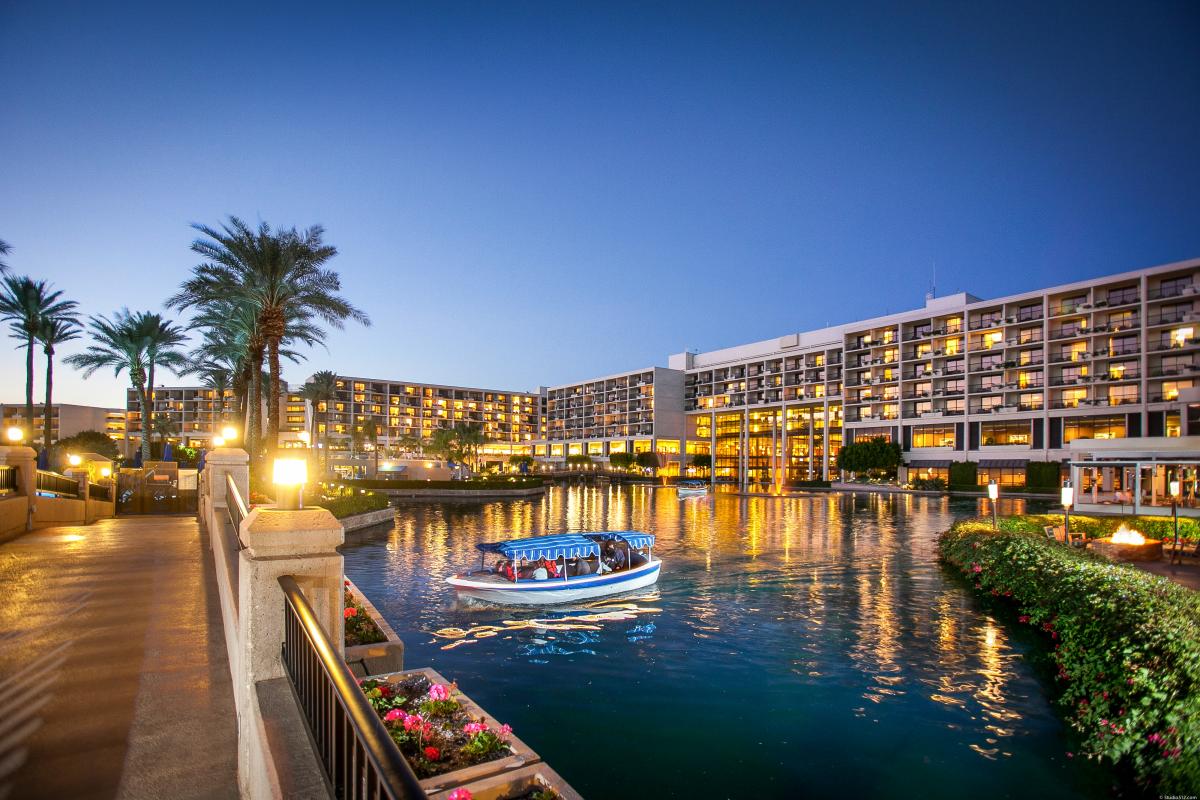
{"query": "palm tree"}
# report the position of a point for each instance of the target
(51, 333)
(164, 428)
(137, 344)
(470, 437)
(24, 303)
(5, 249)
(280, 275)
(370, 432)
(323, 386)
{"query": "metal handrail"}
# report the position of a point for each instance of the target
(60, 485)
(359, 757)
(234, 505)
(100, 491)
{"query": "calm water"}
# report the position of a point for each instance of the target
(805, 647)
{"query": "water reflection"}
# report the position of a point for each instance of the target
(807, 623)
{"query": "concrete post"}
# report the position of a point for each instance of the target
(24, 460)
(219, 463)
(302, 544)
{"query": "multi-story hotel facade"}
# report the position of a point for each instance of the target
(196, 414)
(67, 419)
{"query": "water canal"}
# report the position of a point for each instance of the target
(805, 647)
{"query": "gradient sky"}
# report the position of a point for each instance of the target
(529, 194)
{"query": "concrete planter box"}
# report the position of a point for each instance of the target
(522, 754)
(381, 657)
(370, 519)
(516, 784)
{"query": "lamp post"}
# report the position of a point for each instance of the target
(14, 435)
(1174, 487)
(229, 433)
(993, 496)
(1068, 499)
(289, 476)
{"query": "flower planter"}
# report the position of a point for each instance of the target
(521, 754)
(380, 657)
(516, 784)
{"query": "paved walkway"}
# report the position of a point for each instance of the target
(114, 680)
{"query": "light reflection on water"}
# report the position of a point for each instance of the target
(805, 642)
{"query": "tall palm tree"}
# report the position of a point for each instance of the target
(324, 385)
(281, 275)
(164, 428)
(24, 303)
(51, 333)
(470, 437)
(5, 249)
(137, 344)
(370, 432)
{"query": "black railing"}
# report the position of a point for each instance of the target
(8, 479)
(359, 757)
(98, 491)
(59, 485)
(235, 505)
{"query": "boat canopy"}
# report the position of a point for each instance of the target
(636, 539)
(561, 545)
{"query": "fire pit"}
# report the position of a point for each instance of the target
(1128, 545)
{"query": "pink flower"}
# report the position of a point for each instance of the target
(439, 692)
(1023, 618)
(474, 728)
(505, 731)
(460, 794)
(394, 715)
(976, 568)
(413, 722)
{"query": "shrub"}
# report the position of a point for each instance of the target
(1127, 644)
(1097, 527)
(513, 482)
(964, 475)
(621, 460)
(1043, 474)
(359, 627)
(928, 484)
(579, 458)
(874, 455)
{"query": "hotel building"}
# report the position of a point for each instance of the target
(197, 414)
(631, 412)
(67, 420)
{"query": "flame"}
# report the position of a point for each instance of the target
(1124, 535)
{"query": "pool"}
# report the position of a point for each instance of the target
(805, 646)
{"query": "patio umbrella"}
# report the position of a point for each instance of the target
(43, 461)
(137, 459)
(200, 461)
(166, 456)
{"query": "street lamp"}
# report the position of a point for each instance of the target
(74, 460)
(1175, 487)
(1068, 499)
(229, 433)
(14, 435)
(289, 476)
(218, 441)
(993, 496)
(105, 472)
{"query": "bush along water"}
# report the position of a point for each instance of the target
(1098, 527)
(1126, 644)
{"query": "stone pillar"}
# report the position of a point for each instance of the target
(217, 464)
(24, 459)
(302, 544)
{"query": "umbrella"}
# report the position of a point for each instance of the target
(137, 459)
(43, 459)
(166, 456)
(200, 461)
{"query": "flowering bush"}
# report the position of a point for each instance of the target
(1098, 527)
(432, 729)
(360, 628)
(1126, 643)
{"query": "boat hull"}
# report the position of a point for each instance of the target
(686, 493)
(556, 590)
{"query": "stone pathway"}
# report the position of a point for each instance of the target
(114, 681)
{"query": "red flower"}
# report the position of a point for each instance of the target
(432, 753)
(350, 612)
(1023, 618)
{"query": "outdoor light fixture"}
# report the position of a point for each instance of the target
(229, 433)
(74, 461)
(304, 437)
(289, 476)
(105, 472)
(1175, 486)
(218, 441)
(1068, 500)
(993, 495)
(14, 434)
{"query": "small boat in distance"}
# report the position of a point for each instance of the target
(689, 489)
(562, 568)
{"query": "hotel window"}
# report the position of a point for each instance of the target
(1003, 476)
(1028, 380)
(990, 383)
(992, 361)
(933, 436)
(1093, 428)
(1124, 370)
(990, 402)
(595, 448)
(1173, 365)
(1124, 345)
(643, 446)
(953, 386)
(1030, 335)
(924, 349)
(1119, 395)
(953, 347)
(1173, 427)
(1073, 352)
(954, 406)
(1170, 389)
(1004, 433)
(556, 449)
(1122, 319)
(992, 339)
(1071, 397)
(954, 325)
(1173, 286)
(668, 446)
(1030, 401)
(922, 407)
(1070, 374)
(1030, 357)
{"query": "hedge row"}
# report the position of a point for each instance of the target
(1127, 645)
(1097, 527)
(499, 483)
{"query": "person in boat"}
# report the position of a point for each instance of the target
(614, 558)
(579, 566)
(504, 568)
(540, 573)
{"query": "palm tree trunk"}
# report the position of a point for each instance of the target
(29, 387)
(144, 402)
(254, 413)
(49, 397)
(273, 395)
(149, 422)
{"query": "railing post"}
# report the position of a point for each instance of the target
(24, 460)
(217, 464)
(302, 544)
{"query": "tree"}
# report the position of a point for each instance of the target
(52, 332)
(702, 461)
(521, 461)
(470, 438)
(24, 303)
(324, 388)
(621, 460)
(90, 442)
(5, 249)
(875, 455)
(370, 432)
(646, 460)
(581, 459)
(164, 428)
(137, 344)
(281, 277)
(444, 445)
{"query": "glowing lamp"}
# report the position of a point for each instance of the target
(229, 433)
(105, 472)
(993, 491)
(1175, 488)
(289, 476)
(74, 460)
(14, 434)
(218, 441)
(304, 436)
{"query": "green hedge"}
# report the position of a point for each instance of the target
(1043, 475)
(1127, 645)
(1097, 527)
(495, 483)
(349, 505)
(964, 475)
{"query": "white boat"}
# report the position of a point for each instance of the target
(567, 553)
(689, 489)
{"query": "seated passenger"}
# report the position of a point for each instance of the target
(580, 566)
(551, 567)
(540, 573)
(615, 558)
(504, 567)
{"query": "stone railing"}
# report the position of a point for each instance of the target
(22, 508)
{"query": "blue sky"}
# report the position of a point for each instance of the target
(529, 193)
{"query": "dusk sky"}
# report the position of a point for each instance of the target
(529, 194)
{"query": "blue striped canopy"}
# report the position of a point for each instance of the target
(636, 539)
(561, 545)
